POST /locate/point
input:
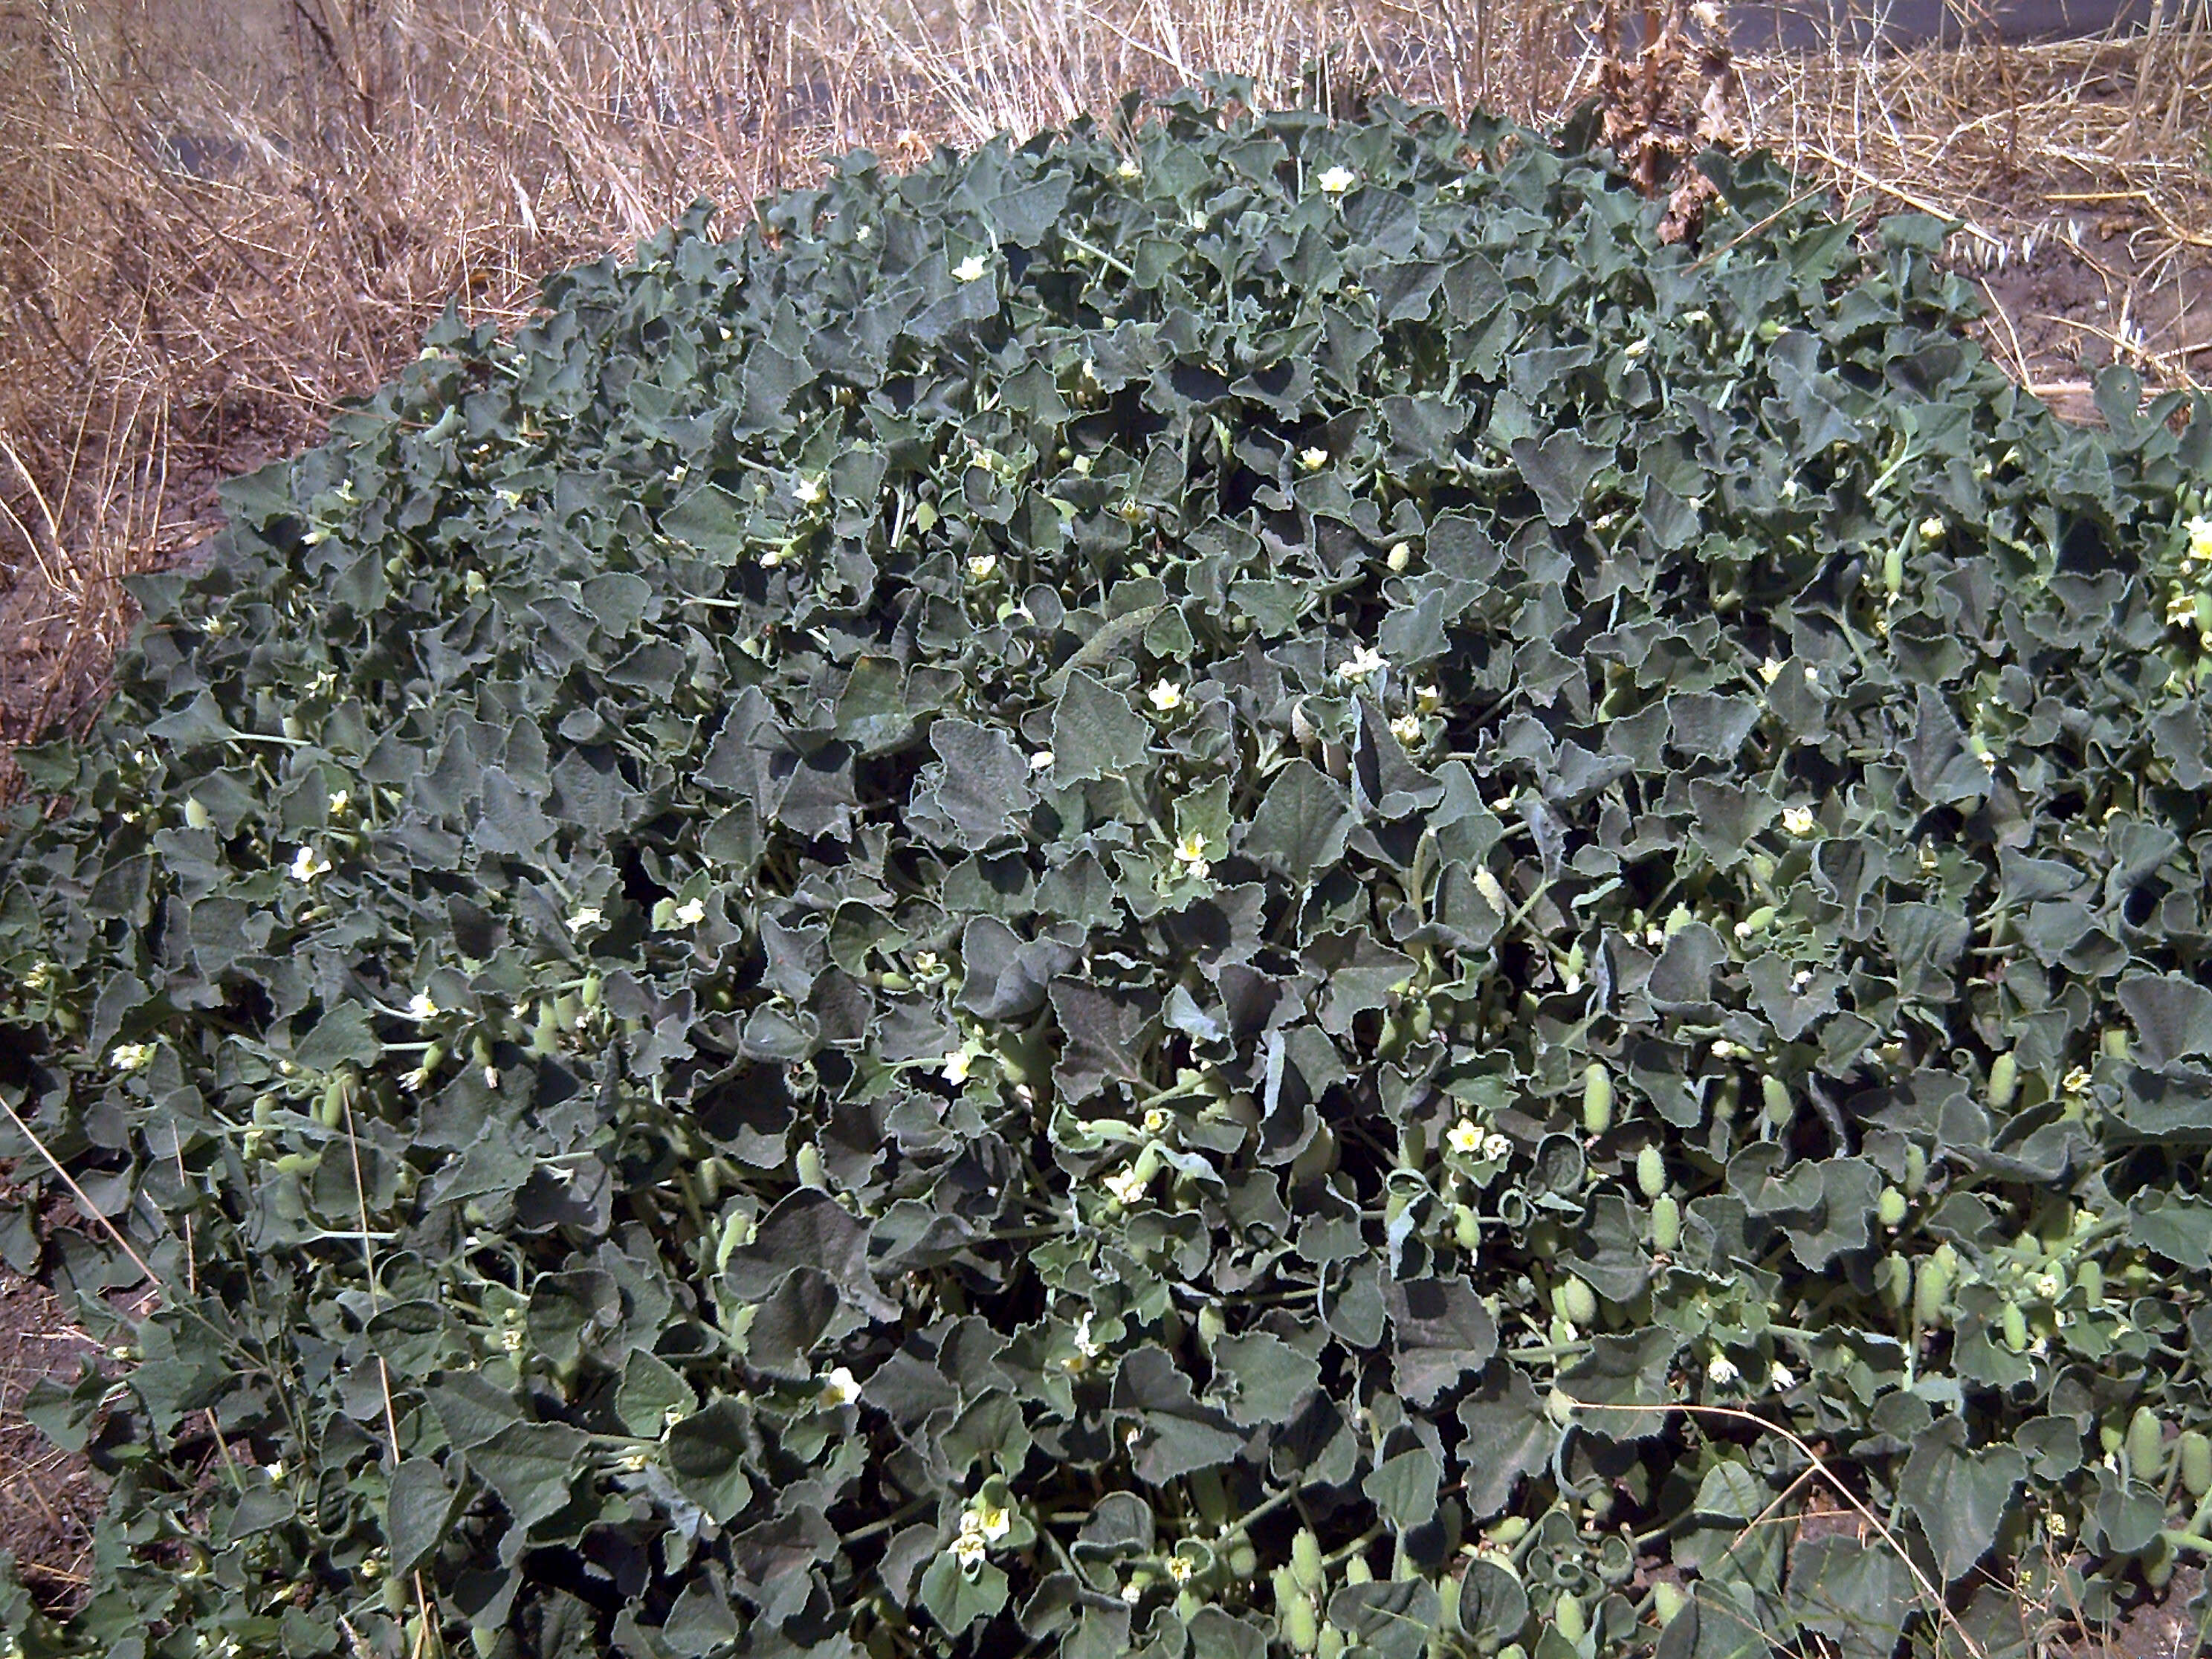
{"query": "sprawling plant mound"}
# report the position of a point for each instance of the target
(1124, 898)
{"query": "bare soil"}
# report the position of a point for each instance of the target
(49, 1498)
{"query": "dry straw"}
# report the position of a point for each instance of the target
(218, 218)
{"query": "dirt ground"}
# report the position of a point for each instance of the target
(49, 1498)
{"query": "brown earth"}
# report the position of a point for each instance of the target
(49, 1498)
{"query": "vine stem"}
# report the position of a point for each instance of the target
(1734, 1414)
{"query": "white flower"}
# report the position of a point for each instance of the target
(925, 963)
(511, 1339)
(1800, 978)
(1931, 529)
(2200, 540)
(1197, 221)
(691, 913)
(1166, 696)
(1722, 1370)
(275, 1472)
(1155, 1119)
(1428, 699)
(1132, 1592)
(810, 490)
(956, 1063)
(1042, 761)
(1337, 180)
(341, 803)
(2181, 609)
(969, 1550)
(420, 1007)
(1179, 1568)
(840, 1388)
(131, 1056)
(2077, 1081)
(307, 864)
(1724, 1049)
(1191, 850)
(1128, 1186)
(1636, 347)
(1781, 1382)
(2047, 1286)
(1771, 670)
(1797, 820)
(1129, 169)
(587, 915)
(1406, 728)
(1313, 459)
(983, 566)
(1085, 1343)
(1496, 1148)
(992, 1519)
(40, 976)
(860, 236)
(1655, 937)
(1362, 661)
(491, 1077)
(1812, 676)
(970, 269)
(1464, 1137)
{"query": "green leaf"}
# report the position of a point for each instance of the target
(418, 1511)
(1959, 1497)
(1560, 469)
(531, 1467)
(1301, 825)
(707, 1454)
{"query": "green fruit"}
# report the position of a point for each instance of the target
(1241, 1560)
(2090, 1276)
(593, 985)
(1667, 1599)
(2004, 1080)
(1651, 1172)
(1774, 1095)
(196, 815)
(1915, 1170)
(2014, 1323)
(2115, 1043)
(1357, 1572)
(1891, 1207)
(2195, 1451)
(1307, 1572)
(1331, 1644)
(1509, 1530)
(1301, 1621)
(1679, 918)
(1567, 1617)
(1467, 1228)
(1597, 1099)
(1666, 1222)
(1931, 1291)
(331, 1113)
(808, 1161)
(2146, 1446)
(1893, 570)
(1576, 1301)
(1758, 920)
(1186, 1604)
(1894, 1278)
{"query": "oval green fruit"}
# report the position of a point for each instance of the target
(1597, 1099)
(807, 1160)
(2015, 1324)
(2004, 1080)
(1774, 1095)
(1891, 1207)
(1467, 1228)
(1331, 1645)
(1893, 569)
(1651, 1172)
(2146, 1446)
(2195, 1452)
(1307, 1572)
(1931, 1289)
(1915, 1170)
(1301, 1624)
(2090, 1276)
(1667, 1600)
(1577, 1301)
(1666, 1222)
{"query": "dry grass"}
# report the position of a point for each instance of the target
(218, 218)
